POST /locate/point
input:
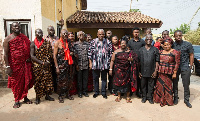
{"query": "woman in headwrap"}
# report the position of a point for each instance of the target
(168, 66)
(124, 79)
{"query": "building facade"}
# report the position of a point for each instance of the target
(33, 14)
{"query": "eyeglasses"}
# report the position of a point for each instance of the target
(149, 39)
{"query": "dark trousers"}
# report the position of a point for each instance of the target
(185, 75)
(54, 76)
(138, 84)
(147, 82)
(96, 75)
(82, 81)
(110, 83)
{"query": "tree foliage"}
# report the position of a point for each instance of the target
(134, 10)
(193, 36)
(184, 28)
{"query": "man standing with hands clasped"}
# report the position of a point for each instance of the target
(149, 58)
(99, 55)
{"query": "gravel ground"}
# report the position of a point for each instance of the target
(100, 109)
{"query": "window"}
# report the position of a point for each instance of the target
(77, 4)
(25, 27)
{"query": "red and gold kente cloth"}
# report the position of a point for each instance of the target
(21, 79)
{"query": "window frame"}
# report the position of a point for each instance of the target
(7, 23)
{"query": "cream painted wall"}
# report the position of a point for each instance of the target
(21, 9)
(70, 8)
(48, 9)
(47, 22)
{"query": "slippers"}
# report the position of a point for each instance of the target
(27, 101)
(16, 105)
(128, 100)
(118, 99)
(37, 101)
(60, 100)
(69, 97)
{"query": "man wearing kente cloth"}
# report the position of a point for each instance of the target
(63, 53)
(52, 38)
(41, 55)
(18, 64)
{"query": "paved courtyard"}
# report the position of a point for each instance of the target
(100, 109)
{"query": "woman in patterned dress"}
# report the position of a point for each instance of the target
(73, 90)
(124, 79)
(169, 63)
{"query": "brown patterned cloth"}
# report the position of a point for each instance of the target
(65, 78)
(43, 75)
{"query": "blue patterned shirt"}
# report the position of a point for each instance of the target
(100, 55)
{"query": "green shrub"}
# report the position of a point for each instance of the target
(193, 36)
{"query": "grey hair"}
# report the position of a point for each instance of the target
(148, 35)
(79, 32)
(101, 30)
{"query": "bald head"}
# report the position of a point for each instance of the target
(16, 27)
(51, 30)
(39, 33)
(64, 34)
(148, 39)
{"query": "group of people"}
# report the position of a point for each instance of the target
(149, 68)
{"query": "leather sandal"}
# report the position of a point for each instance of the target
(70, 97)
(27, 101)
(118, 99)
(49, 98)
(61, 100)
(16, 105)
(128, 100)
(37, 101)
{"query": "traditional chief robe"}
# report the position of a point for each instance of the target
(21, 79)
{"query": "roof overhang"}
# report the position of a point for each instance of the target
(87, 19)
(112, 25)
